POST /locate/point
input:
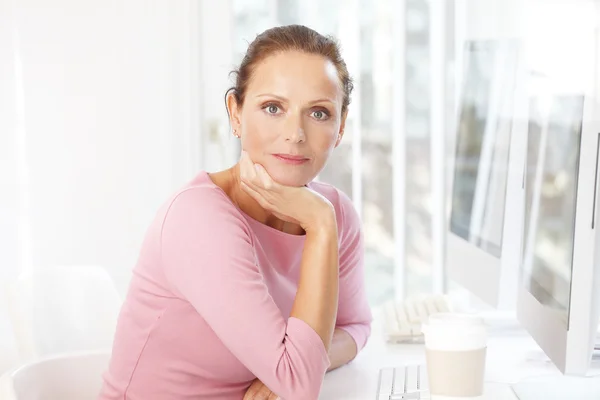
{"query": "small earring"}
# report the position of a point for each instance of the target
(235, 134)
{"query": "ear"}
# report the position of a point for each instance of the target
(234, 111)
(341, 131)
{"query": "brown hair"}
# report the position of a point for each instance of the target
(290, 38)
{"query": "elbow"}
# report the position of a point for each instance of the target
(367, 333)
(360, 332)
(298, 378)
(301, 365)
(302, 389)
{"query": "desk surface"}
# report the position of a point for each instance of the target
(511, 357)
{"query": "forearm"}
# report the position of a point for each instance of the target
(342, 350)
(317, 295)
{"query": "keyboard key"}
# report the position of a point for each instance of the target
(386, 380)
(411, 378)
(422, 311)
(407, 382)
(401, 315)
(399, 381)
(442, 304)
(432, 306)
(411, 312)
(423, 378)
(403, 321)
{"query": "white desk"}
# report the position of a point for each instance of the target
(511, 357)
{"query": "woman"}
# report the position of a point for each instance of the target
(250, 281)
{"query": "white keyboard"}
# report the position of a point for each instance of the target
(403, 321)
(408, 382)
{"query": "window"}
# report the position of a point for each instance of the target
(363, 165)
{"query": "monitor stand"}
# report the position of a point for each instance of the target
(553, 388)
(563, 387)
(596, 355)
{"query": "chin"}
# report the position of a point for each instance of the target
(296, 178)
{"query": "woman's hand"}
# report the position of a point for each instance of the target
(299, 205)
(258, 391)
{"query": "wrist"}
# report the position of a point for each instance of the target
(322, 221)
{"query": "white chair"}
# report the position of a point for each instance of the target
(65, 377)
(65, 309)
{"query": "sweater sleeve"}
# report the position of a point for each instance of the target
(354, 314)
(208, 259)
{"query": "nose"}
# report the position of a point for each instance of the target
(294, 131)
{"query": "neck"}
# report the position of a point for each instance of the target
(250, 206)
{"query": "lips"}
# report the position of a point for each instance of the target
(291, 158)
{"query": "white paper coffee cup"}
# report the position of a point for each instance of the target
(455, 346)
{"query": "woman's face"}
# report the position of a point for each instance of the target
(291, 117)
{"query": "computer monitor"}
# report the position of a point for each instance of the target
(484, 238)
(559, 290)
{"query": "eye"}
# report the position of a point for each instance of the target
(320, 115)
(271, 108)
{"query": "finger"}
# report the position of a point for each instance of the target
(255, 185)
(248, 167)
(247, 172)
(252, 390)
(262, 196)
(249, 394)
(256, 195)
(258, 392)
(264, 393)
(261, 177)
(264, 177)
(260, 180)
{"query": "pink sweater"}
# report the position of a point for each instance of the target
(208, 306)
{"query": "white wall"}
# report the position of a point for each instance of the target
(8, 182)
(220, 148)
(106, 132)
(99, 122)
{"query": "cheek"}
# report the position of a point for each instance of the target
(258, 131)
(322, 138)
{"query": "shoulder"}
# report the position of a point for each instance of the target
(347, 217)
(202, 205)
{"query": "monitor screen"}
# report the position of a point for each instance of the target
(553, 149)
(482, 144)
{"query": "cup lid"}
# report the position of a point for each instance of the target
(455, 331)
(455, 319)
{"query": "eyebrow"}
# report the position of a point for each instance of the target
(285, 100)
